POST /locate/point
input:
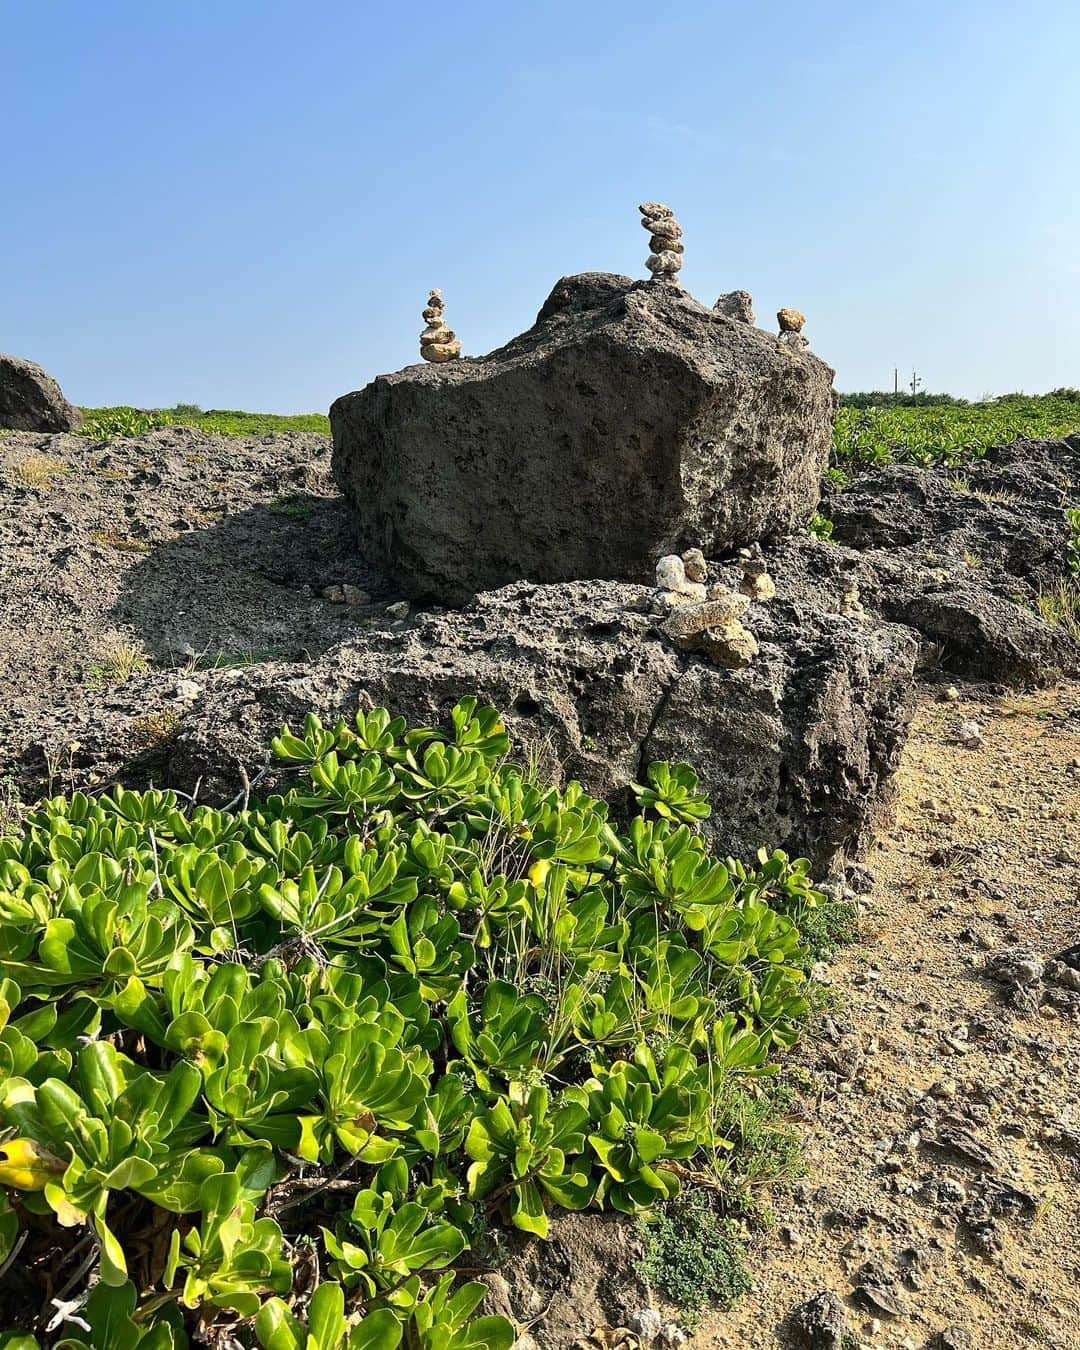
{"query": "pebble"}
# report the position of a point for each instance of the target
(970, 735)
(398, 610)
(355, 595)
(188, 690)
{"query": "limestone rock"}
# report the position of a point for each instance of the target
(796, 750)
(790, 320)
(31, 400)
(627, 423)
(756, 582)
(671, 573)
(736, 305)
(697, 569)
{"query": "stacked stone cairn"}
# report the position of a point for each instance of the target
(666, 259)
(756, 582)
(438, 343)
(791, 323)
(698, 617)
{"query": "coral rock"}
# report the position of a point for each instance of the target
(697, 569)
(790, 320)
(736, 305)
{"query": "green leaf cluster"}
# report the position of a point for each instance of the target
(417, 975)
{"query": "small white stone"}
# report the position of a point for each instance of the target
(398, 610)
(970, 735)
(671, 573)
(647, 1324)
(188, 690)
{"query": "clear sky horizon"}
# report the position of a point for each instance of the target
(243, 204)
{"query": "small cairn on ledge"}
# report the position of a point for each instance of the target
(666, 259)
(756, 582)
(438, 342)
(791, 323)
(701, 618)
(736, 305)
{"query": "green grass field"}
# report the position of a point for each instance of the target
(914, 431)
(105, 423)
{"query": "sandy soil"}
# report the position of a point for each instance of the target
(984, 856)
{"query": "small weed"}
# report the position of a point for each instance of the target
(971, 560)
(297, 507)
(12, 806)
(766, 1153)
(121, 542)
(38, 471)
(248, 656)
(1060, 607)
(995, 495)
(694, 1255)
(959, 482)
(821, 527)
(119, 662)
(153, 730)
(1072, 551)
(832, 925)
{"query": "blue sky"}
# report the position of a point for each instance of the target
(244, 204)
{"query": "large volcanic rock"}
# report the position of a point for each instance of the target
(31, 400)
(629, 421)
(797, 750)
(967, 556)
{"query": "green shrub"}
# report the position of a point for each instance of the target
(476, 998)
(694, 1255)
(105, 424)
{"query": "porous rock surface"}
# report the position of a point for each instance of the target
(630, 421)
(31, 400)
(963, 555)
(796, 750)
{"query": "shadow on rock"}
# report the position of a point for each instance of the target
(250, 587)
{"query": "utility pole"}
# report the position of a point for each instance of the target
(896, 379)
(916, 381)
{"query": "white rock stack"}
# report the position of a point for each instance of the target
(665, 236)
(438, 342)
(701, 618)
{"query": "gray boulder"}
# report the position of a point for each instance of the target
(796, 750)
(31, 400)
(628, 422)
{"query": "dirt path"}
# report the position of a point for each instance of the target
(924, 1049)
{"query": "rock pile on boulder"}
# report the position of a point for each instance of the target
(31, 400)
(629, 422)
(438, 342)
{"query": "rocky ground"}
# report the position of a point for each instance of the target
(942, 1111)
(129, 565)
(163, 598)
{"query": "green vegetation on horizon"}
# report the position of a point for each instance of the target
(930, 429)
(107, 423)
(473, 998)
